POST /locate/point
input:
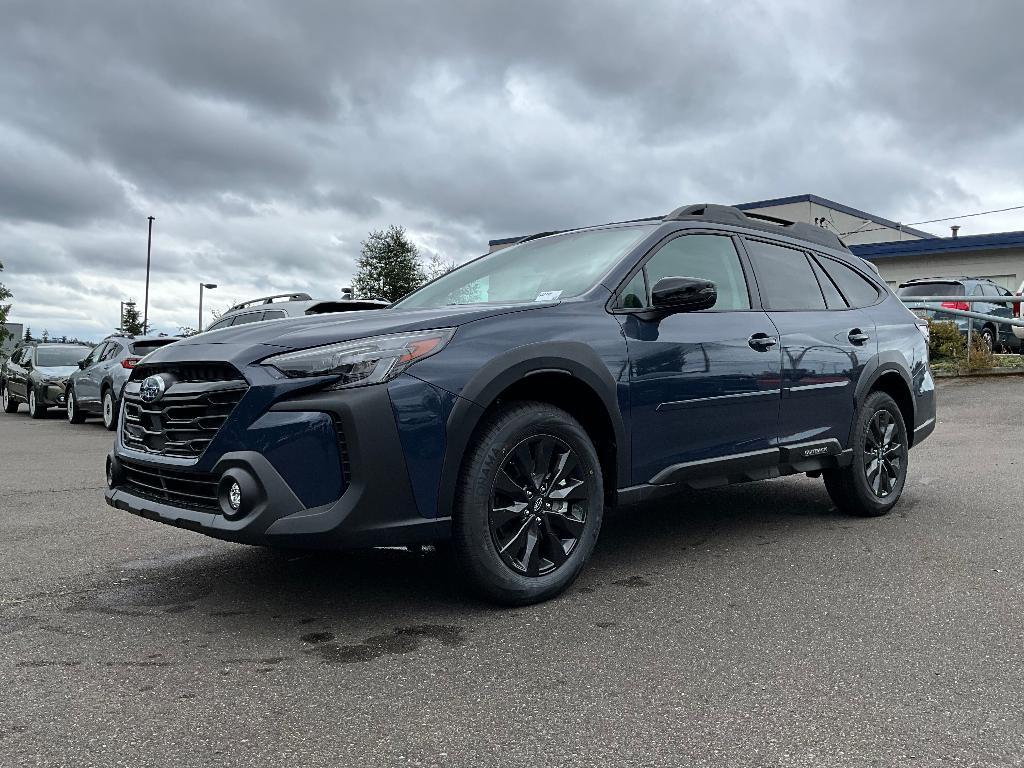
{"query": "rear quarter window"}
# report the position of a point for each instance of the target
(857, 289)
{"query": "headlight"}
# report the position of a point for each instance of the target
(363, 361)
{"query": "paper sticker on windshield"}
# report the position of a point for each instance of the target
(548, 295)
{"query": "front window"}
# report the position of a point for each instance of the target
(546, 269)
(58, 357)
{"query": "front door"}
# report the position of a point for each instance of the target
(703, 385)
(827, 339)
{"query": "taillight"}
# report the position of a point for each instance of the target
(963, 306)
(130, 362)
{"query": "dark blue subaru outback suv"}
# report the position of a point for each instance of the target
(507, 404)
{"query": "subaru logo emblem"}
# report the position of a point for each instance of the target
(152, 389)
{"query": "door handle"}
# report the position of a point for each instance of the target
(762, 342)
(857, 336)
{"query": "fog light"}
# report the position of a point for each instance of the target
(112, 473)
(235, 497)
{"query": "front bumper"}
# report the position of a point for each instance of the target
(376, 507)
(52, 394)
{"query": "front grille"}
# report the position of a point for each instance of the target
(188, 372)
(184, 489)
(183, 421)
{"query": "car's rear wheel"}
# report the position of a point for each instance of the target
(9, 403)
(35, 410)
(529, 504)
(75, 415)
(109, 410)
(873, 483)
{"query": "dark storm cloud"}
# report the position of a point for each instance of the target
(269, 137)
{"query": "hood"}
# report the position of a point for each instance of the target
(56, 371)
(251, 342)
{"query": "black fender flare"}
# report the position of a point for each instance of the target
(883, 364)
(569, 358)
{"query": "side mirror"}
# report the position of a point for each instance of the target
(682, 294)
(81, 365)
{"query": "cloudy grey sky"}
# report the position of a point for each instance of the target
(267, 138)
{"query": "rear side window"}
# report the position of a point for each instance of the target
(710, 257)
(784, 277)
(858, 290)
(111, 351)
(833, 298)
(251, 317)
(274, 314)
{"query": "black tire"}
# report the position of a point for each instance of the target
(35, 410)
(109, 405)
(9, 403)
(567, 500)
(871, 486)
(75, 414)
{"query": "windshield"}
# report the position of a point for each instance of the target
(931, 289)
(58, 357)
(546, 269)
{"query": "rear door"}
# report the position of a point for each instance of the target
(704, 386)
(826, 340)
(87, 385)
(16, 372)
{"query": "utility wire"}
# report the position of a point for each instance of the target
(935, 221)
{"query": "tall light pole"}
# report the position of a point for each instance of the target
(145, 307)
(201, 287)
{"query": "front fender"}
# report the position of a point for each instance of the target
(567, 357)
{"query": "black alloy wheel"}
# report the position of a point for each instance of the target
(528, 503)
(873, 482)
(538, 505)
(884, 454)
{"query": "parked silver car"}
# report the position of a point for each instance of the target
(95, 389)
(291, 305)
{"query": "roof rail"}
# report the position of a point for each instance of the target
(725, 214)
(270, 300)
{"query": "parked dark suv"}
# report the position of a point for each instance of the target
(506, 404)
(995, 335)
(37, 374)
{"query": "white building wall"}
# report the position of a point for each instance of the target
(807, 211)
(1005, 266)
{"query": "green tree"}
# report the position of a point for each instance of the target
(131, 322)
(438, 266)
(46, 335)
(4, 308)
(28, 334)
(389, 266)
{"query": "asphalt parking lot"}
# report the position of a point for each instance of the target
(745, 626)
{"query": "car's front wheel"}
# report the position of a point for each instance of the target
(75, 414)
(529, 504)
(872, 484)
(109, 410)
(9, 403)
(35, 410)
